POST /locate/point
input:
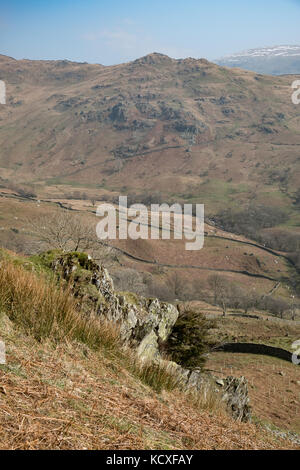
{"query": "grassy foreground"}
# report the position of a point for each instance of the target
(69, 383)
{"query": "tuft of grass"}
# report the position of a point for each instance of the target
(43, 309)
(156, 375)
(208, 399)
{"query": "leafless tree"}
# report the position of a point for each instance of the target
(69, 232)
(277, 306)
(222, 291)
(64, 231)
(246, 300)
(128, 279)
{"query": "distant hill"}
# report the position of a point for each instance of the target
(188, 129)
(276, 60)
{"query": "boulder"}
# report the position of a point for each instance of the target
(144, 324)
(236, 397)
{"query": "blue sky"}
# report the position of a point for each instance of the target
(115, 31)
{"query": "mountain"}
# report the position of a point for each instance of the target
(188, 129)
(75, 134)
(275, 60)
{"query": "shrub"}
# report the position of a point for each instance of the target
(188, 343)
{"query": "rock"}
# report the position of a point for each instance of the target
(220, 382)
(236, 398)
(118, 113)
(148, 348)
(155, 58)
(143, 324)
(233, 390)
(126, 151)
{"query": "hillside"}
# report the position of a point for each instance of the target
(160, 268)
(78, 388)
(186, 129)
(157, 129)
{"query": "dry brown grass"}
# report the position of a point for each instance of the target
(70, 397)
(273, 386)
(43, 309)
(68, 384)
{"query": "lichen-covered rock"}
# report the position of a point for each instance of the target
(236, 396)
(148, 349)
(144, 323)
(233, 391)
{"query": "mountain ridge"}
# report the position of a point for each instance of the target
(187, 129)
(274, 60)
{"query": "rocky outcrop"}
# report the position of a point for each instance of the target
(155, 58)
(118, 113)
(233, 390)
(235, 394)
(144, 324)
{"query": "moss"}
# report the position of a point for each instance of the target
(47, 258)
(33, 263)
(44, 260)
(82, 258)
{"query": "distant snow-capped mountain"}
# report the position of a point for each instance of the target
(276, 60)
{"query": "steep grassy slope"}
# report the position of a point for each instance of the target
(65, 392)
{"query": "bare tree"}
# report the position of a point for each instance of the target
(64, 231)
(280, 307)
(246, 300)
(222, 291)
(182, 289)
(69, 232)
(276, 306)
(128, 279)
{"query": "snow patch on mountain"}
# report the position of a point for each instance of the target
(275, 60)
(275, 51)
